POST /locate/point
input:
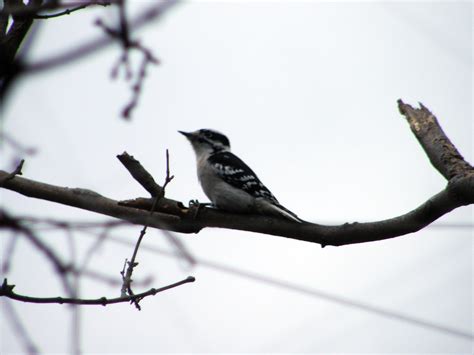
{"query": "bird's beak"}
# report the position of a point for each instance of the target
(186, 134)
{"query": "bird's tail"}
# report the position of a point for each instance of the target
(278, 210)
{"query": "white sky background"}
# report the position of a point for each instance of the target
(307, 93)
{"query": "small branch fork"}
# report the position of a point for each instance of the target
(72, 9)
(62, 268)
(12, 66)
(15, 172)
(157, 192)
(442, 153)
(6, 290)
(123, 35)
(22, 17)
(18, 8)
(173, 216)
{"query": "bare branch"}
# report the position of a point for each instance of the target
(168, 177)
(127, 276)
(11, 68)
(140, 174)
(20, 226)
(311, 292)
(17, 8)
(85, 199)
(19, 28)
(7, 291)
(148, 15)
(123, 35)
(442, 153)
(11, 40)
(137, 87)
(15, 172)
(458, 193)
(73, 9)
(171, 215)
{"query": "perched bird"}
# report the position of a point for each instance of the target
(227, 181)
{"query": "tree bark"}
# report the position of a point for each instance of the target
(174, 216)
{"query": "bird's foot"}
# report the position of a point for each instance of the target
(197, 206)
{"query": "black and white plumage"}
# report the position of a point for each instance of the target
(227, 181)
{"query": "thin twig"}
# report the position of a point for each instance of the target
(127, 278)
(123, 35)
(33, 9)
(168, 177)
(15, 172)
(71, 10)
(7, 291)
(16, 68)
(83, 50)
(308, 291)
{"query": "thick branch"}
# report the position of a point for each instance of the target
(171, 217)
(7, 291)
(10, 41)
(442, 153)
(89, 200)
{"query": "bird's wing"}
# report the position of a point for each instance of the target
(239, 175)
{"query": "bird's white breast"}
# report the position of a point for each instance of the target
(221, 194)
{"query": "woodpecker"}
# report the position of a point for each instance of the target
(227, 181)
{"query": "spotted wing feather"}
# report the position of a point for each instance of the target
(239, 175)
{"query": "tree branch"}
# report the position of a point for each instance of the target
(140, 174)
(174, 218)
(172, 215)
(72, 9)
(151, 13)
(11, 68)
(11, 40)
(124, 36)
(442, 153)
(7, 291)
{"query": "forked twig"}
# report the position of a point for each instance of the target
(127, 275)
(6, 290)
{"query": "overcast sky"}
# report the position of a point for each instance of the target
(306, 91)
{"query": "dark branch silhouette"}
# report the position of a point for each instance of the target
(174, 216)
(123, 35)
(442, 153)
(12, 67)
(157, 194)
(6, 290)
(72, 9)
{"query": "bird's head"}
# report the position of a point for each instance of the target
(207, 141)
